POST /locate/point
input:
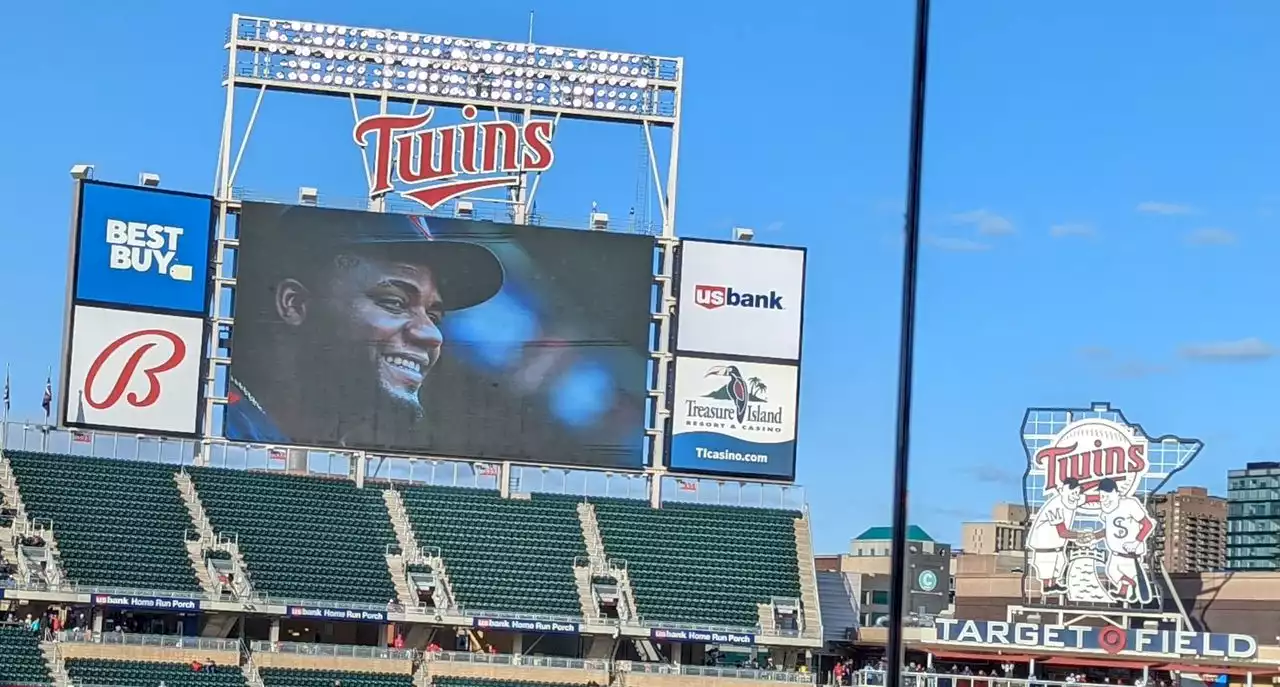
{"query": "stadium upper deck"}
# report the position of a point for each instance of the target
(224, 542)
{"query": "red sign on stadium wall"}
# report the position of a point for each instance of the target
(437, 164)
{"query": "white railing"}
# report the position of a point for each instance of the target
(334, 650)
(787, 676)
(162, 641)
(521, 661)
(876, 678)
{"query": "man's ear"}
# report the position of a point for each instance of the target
(292, 299)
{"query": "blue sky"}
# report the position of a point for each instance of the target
(1099, 206)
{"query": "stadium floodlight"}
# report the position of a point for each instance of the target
(307, 195)
(599, 221)
(402, 65)
(743, 234)
(464, 209)
(149, 179)
(81, 172)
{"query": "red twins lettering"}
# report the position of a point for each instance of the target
(430, 160)
(177, 354)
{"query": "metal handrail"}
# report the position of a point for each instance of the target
(151, 640)
(521, 660)
(788, 676)
(335, 650)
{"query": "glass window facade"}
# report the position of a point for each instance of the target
(1253, 517)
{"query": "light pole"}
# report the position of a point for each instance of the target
(894, 651)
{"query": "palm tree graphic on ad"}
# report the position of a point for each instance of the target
(741, 391)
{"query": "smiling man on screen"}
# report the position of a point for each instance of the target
(338, 323)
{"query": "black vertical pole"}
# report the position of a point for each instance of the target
(898, 594)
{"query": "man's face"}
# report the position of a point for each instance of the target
(386, 313)
(1109, 500)
(1071, 496)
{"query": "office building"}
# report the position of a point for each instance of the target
(1192, 532)
(1003, 533)
(1253, 517)
(866, 566)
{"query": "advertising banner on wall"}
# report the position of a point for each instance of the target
(732, 417)
(739, 299)
(441, 336)
(139, 247)
(133, 370)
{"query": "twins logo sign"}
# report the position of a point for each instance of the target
(441, 163)
(1090, 537)
(133, 370)
(142, 247)
(734, 417)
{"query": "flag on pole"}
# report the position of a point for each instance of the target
(47, 403)
(687, 485)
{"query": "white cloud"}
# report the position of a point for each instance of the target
(1249, 349)
(1059, 231)
(986, 222)
(956, 245)
(1155, 207)
(1211, 236)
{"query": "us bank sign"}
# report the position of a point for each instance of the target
(1099, 640)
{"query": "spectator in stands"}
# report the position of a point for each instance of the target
(398, 643)
(433, 648)
(341, 314)
(196, 665)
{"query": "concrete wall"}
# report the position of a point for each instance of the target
(158, 654)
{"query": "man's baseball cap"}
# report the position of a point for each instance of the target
(467, 273)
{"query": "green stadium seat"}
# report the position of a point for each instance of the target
(443, 681)
(303, 537)
(111, 673)
(117, 523)
(21, 662)
(701, 564)
(293, 677)
(502, 554)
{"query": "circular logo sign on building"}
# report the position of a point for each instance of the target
(927, 580)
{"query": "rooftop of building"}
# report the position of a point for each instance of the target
(914, 533)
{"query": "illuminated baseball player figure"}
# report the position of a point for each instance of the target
(1125, 529)
(1049, 533)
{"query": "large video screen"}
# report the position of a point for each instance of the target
(437, 336)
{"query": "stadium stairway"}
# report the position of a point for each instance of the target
(207, 543)
(812, 610)
(600, 570)
(514, 555)
(412, 556)
(53, 661)
(113, 522)
(302, 537)
(21, 525)
(703, 564)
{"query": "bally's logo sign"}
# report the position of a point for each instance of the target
(437, 164)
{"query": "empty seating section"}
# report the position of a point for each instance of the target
(117, 523)
(292, 677)
(484, 682)
(21, 662)
(303, 537)
(502, 554)
(702, 564)
(108, 673)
